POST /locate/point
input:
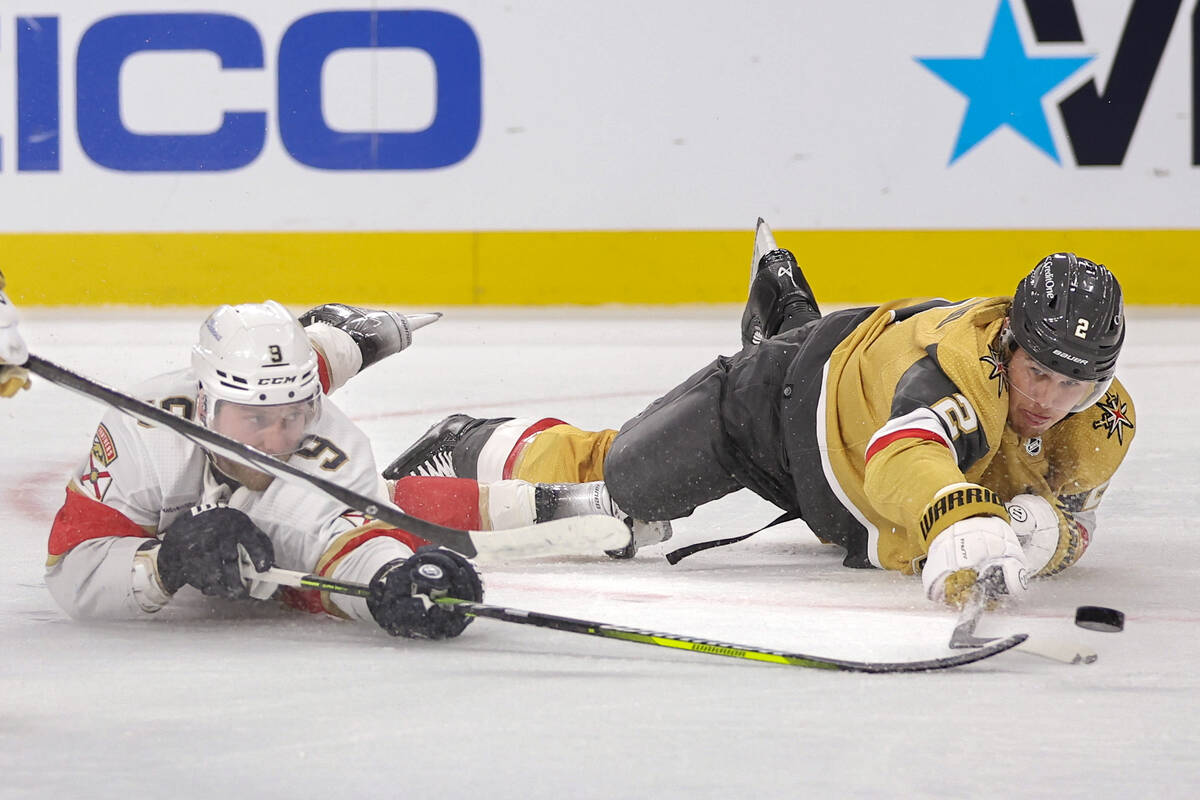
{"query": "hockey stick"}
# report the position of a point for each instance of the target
(985, 591)
(300, 580)
(572, 536)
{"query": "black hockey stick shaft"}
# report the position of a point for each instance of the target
(657, 638)
(457, 540)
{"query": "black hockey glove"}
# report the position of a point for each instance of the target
(201, 549)
(402, 594)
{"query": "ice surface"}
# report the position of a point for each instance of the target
(206, 700)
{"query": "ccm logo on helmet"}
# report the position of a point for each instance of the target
(277, 381)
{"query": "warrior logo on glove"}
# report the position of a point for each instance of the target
(973, 498)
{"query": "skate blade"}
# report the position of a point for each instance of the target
(764, 242)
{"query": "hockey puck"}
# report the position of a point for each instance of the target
(1099, 618)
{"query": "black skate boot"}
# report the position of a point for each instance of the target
(449, 449)
(378, 334)
(780, 298)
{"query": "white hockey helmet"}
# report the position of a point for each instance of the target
(254, 354)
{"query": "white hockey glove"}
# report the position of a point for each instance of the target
(1036, 524)
(965, 550)
(13, 351)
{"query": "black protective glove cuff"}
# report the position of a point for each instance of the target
(200, 549)
(402, 592)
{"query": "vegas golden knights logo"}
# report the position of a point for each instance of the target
(1114, 417)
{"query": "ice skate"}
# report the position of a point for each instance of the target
(378, 333)
(780, 297)
(641, 534)
(559, 500)
(433, 453)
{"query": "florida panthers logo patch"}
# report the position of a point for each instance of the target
(1114, 417)
(103, 449)
(998, 373)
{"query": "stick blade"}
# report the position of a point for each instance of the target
(573, 536)
(1060, 651)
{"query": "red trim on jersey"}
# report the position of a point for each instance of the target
(310, 600)
(907, 433)
(404, 537)
(1085, 537)
(323, 371)
(453, 502)
(81, 518)
(523, 442)
(306, 600)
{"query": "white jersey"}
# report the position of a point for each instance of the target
(137, 479)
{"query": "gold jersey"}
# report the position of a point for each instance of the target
(917, 403)
(882, 426)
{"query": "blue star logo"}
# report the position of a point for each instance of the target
(1004, 86)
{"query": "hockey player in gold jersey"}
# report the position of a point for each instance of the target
(918, 435)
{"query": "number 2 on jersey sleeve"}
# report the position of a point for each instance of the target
(958, 414)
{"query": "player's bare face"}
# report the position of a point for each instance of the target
(1039, 397)
(275, 430)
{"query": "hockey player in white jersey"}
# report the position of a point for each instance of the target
(13, 353)
(148, 513)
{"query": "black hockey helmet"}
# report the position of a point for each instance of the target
(1069, 317)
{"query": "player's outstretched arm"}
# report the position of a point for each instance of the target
(95, 565)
